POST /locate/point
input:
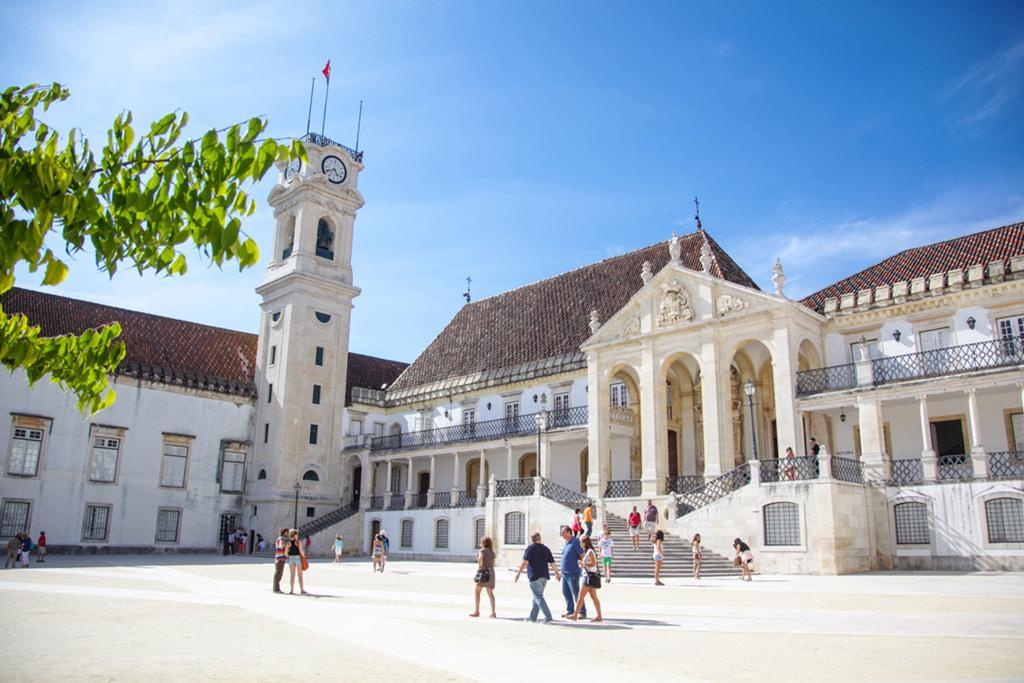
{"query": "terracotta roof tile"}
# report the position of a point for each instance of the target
(960, 252)
(549, 318)
(370, 373)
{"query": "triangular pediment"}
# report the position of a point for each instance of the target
(676, 298)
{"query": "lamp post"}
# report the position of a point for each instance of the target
(295, 522)
(749, 389)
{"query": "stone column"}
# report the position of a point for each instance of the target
(929, 465)
(544, 449)
(651, 421)
(512, 474)
(366, 486)
(784, 364)
(979, 460)
(599, 456)
(456, 485)
(433, 472)
(687, 430)
(409, 490)
(481, 485)
(711, 387)
(387, 488)
(872, 440)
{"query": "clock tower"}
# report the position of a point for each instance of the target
(302, 357)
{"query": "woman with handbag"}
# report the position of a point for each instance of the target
(484, 575)
(591, 580)
(296, 561)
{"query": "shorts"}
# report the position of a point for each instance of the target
(295, 560)
(607, 561)
(634, 531)
(650, 526)
(657, 558)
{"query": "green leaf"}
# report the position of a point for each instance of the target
(56, 272)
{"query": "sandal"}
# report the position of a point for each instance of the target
(493, 615)
(474, 614)
(596, 619)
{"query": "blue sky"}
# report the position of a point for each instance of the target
(515, 141)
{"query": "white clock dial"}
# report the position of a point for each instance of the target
(334, 169)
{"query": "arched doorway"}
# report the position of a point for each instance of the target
(528, 465)
(752, 417)
(684, 434)
(584, 462)
(472, 474)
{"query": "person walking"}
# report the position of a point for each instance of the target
(634, 528)
(588, 519)
(242, 538)
(484, 578)
(606, 544)
(231, 542)
(650, 520)
(744, 558)
(41, 547)
(386, 544)
(658, 556)
(591, 582)
(296, 556)
(536, 561)
(339, 546)
(26, 548)
(577, 524)
(572, 551)
(13, 548)
(377, 553)
(280, 558)
(698, 557)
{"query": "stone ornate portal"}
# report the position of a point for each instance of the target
(675, 305)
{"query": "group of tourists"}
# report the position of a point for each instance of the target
(290, 550)
(20, 547)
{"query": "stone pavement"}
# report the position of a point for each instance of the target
(172, 618)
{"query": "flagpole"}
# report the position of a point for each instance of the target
(359, 124)
(326, 95)
(309, 116)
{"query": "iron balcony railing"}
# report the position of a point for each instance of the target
(442, 499)
(847, 469)
(480, 431)
(684, 483)
(397, 501)
(377, 503)
(467, 499)
(1006, 465)
(512, 488)
(790, 469)
(906, 471)
(355, 441)
(955, 468)
(563, 495)
(622, 488)
(419, 501)
(324, 141)
(718, 487)
(949, 360)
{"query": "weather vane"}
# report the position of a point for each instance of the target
(696, 202)
(469, 281)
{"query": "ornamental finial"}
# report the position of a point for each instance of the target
(778, 276)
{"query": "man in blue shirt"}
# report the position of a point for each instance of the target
(571, 554)
(536, 561)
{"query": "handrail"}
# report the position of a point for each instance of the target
(330, 519)
(718, 487)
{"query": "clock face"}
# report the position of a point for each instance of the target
(293, 169)
(334, 169)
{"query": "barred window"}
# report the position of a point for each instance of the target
(515, 528)
(912, 524)
(396, 480)
(103, 460)
(25, 448)
(1005, 519)
(406, 536)
(168, 525)
(14, 517)
(96, 523)
(232, 479)
(441, 534)
(782, 524)
(478, 531)
(173, 471)
(310, 475)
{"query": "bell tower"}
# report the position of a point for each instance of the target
(302, 356)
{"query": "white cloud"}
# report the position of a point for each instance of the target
(989, 85)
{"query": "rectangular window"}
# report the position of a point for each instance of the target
(1017, 429)
(562, 403)
(511, 410)
(168, 525)
(311, 512)
(441, 534)
(870, 344)
(1011, 327)
(96, 523)
(911, 524)
(232, 479)
(396, 479)
(355, 427)
(312, 434)
(172, 473)
(319, 355)
(378, 429)
(103, 460)
(781, 524)
(468, 420)
(478, 531)
(270, 393)
(406, 540)
(316, 394)
(26, 446)
(934, 339)
(14, 517)
(266, 432)
(273, 355)
(620, 397)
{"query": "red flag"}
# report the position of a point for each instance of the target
(327, 70)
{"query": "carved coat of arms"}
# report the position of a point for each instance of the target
(675, 305)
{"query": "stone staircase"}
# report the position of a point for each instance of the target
(678, 561)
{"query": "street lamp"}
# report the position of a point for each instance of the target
(749, 389)
(298, 487)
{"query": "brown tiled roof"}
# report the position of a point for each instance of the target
(549, 318)
(960, 252)
(174, 351)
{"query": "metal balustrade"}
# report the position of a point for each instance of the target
(906, 471)
(622, 488)
(563, 495)
(1006, 465)
(442, 499)
(467, 499)
(955, 468)
(377, 503)
(511, 488)
(480, 431)
(330, 519)
(847, 469)
(830, 378)
(419, 501)
(621, 414)
(397, 501)
(789, 469)
(323, 141)
(684, 483)
(711, 491)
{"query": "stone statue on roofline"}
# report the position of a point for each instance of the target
(595, 322)
(705, 258)
(778, 276)
(675, 249)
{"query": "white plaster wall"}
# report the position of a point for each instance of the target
(835, 349)
(460, 531)
(61, 491)
(542, 515)
(565, 463)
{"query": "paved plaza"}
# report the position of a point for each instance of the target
(191, 617)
